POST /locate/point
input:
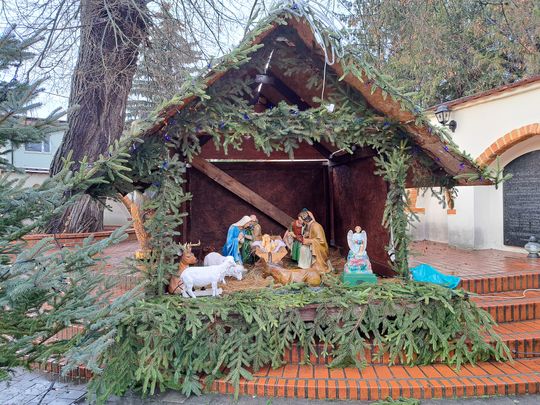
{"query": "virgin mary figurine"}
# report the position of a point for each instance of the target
(357, 259)
(235, 239)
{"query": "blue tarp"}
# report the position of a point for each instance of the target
(427, 274)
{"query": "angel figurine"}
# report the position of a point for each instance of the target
(357, 259)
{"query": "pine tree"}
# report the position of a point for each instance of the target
(46, 288)
(165, 64)
(17, 97)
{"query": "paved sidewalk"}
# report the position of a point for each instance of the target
(32, 387)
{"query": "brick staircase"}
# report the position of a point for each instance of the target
(504, 296)
(498, 282)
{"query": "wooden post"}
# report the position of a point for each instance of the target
(234, 186)
(330, 174)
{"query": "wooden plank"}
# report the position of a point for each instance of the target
(234, 186)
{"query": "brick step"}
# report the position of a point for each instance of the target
(499, 283)
(523, 339)
(380, 382)
(511, 306)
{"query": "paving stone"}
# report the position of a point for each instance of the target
(20, 399)
(71, 394)
(8, 394)
(58, 401)
(23, 385)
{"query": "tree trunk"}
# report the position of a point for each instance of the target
(111, 33)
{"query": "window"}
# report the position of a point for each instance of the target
(43, 147)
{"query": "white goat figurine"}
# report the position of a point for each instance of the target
(214, 258)
(203, 276)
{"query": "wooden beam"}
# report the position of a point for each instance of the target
(331, 205)
(234, 186)
(289, 94)
(323, 150)
(360, 153)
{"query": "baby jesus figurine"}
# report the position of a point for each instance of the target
(357, 259)
(270, 249)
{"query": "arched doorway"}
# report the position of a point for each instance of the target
(521, 199)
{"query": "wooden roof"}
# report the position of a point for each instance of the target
(424, 136)
(489, 93)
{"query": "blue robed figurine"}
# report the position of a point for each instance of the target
(235, 238)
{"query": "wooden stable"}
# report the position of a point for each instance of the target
(341, 189)
(275, 189)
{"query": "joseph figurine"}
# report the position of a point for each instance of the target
(315, 238)
(252, 233)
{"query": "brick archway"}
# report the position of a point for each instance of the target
(505, 142)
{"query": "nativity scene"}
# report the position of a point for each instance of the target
(283, 162)
(278, 163)
(302, 259)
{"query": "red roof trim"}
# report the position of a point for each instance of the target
(488, 93)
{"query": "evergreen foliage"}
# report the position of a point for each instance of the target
(168, 60)
(440, 51)
(167, 342)
(46, 288)
(17, 97)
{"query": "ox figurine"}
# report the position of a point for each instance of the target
(203, 276)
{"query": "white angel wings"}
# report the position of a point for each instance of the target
(357, 241)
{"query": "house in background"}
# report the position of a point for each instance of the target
(35, 159)
(502, 124)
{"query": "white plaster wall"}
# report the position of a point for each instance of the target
(481, 123)
(461, 224)
(436, 228)
(478, 222)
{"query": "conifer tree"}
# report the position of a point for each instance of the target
(18, 97)
(443, 50)
(47, 288)
(168, 60)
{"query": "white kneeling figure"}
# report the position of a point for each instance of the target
(203, 276)
(214, 258)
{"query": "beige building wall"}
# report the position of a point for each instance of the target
(478, 219)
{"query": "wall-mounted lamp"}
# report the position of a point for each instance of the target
(443, 116)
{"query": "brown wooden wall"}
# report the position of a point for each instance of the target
(359, 198)
(290, 186)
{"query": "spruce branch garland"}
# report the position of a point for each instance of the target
(172, 341)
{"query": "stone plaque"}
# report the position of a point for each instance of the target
(521, 199)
